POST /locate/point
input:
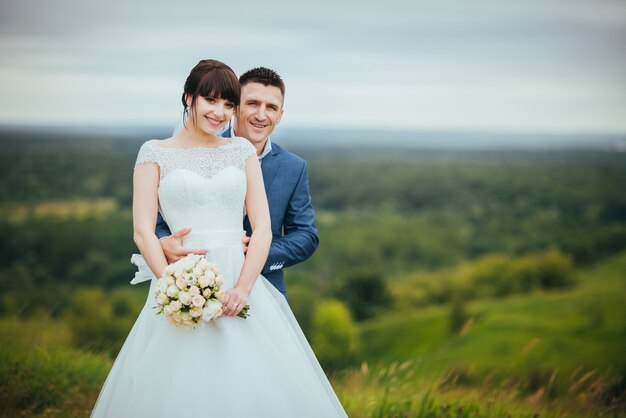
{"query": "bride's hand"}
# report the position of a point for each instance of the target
(234, 301)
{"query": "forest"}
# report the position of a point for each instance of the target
(477, 283)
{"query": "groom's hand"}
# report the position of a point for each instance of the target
(245, 240)
(173, 246)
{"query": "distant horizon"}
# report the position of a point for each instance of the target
(329, 137)
(117, 127)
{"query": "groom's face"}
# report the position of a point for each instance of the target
(260, 110)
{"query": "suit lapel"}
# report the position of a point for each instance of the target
(269, 167)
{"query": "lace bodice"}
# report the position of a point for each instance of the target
(201, 188)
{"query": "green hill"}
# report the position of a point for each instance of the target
(585, 325)
(558, 352)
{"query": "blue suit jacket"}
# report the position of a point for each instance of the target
(293, 219)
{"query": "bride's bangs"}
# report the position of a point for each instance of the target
(220, 84)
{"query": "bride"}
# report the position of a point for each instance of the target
(261, 366)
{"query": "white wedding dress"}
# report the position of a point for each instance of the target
(261, 366)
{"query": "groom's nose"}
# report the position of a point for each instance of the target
(260, 114)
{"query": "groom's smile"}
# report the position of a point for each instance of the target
(260, 110)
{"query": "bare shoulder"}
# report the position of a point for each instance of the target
(162, 143)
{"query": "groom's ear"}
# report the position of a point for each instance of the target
(280, 115)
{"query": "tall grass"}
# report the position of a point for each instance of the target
(41, 375)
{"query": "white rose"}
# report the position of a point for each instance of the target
(184, 298)
(196, 312)
(194, 290)
(169, 280)
(198, 300)
(162, 299)
(185, 316)
(203, 281)
(188, 262)
(190, 279)
(172, 291)
(167, 310)
(181, 283)
(212, 310)
(203, 264)
(219, 280)
(175, 305)
(178, 274)
(206, 293)
(220, 294)
(162, 285)
(169, 270)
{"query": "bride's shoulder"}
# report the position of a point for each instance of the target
(149, 151)
(238, 139)
(244, 145)
(157, 143)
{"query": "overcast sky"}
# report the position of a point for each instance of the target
(548, 65)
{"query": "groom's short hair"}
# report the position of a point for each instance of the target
(264, 76)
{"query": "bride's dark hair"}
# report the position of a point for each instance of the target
(211, 78)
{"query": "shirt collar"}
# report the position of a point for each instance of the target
(267, 149)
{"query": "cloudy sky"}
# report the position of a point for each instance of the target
(547, 65)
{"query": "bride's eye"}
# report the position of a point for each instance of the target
(210, 99)
(230, 105)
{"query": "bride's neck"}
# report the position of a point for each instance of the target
(195, 137)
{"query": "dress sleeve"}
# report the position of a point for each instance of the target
(147, 154)
(247, 149)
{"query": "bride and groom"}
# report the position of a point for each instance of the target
(202, 184)
(284, 175)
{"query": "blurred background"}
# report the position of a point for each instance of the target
(467, 163)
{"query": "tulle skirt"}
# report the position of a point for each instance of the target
(261, 366)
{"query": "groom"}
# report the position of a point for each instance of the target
(284, 174)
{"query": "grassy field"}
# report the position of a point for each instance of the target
(554, 354)
(504, 332)
(543, 354)
(60, 209)
(42, 376)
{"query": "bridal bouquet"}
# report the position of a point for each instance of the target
(190, 292)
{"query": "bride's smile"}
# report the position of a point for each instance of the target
(215, 111)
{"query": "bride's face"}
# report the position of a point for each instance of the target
(210, 114)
